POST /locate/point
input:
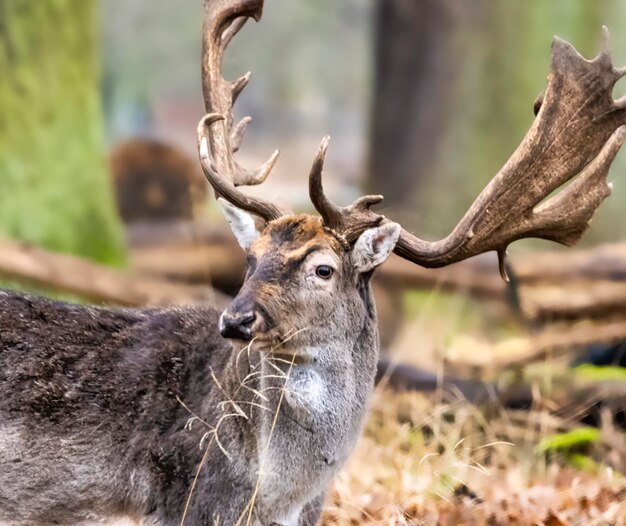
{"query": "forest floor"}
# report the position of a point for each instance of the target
(425, 462)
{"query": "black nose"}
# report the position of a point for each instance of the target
(237, 326)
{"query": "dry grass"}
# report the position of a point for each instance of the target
(423, 462)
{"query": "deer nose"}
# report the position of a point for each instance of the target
(237, 326)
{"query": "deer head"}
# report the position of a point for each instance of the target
(302, 279)
(312, 270)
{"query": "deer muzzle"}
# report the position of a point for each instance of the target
(237, 325)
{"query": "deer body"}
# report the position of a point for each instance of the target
(110, 412)
(90, 425)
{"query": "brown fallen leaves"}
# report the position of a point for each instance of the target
(422, 463)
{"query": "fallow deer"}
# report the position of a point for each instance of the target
(186, 415)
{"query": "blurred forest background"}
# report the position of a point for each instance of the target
(424, 100)
(102, 200)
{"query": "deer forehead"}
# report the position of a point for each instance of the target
(292, 238)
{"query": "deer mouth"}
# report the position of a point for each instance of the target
(283, 344)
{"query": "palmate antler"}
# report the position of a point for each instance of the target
(578, 130)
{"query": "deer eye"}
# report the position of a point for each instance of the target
(324, 271)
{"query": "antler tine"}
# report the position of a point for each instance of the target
(236, 136)
(218, 138)
(346, 222)
(326, 208)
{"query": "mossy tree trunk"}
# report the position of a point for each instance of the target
(54, 186)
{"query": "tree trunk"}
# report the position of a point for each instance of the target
(54, 187)
(412, 76)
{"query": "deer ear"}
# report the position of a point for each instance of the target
(241, 223)
(374, 246)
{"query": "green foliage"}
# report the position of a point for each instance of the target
(600, 373)
(565, 442)
(573, 448)
(54, 187)
(583, 463)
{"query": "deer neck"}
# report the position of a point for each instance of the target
(315, 371)
(315, 399)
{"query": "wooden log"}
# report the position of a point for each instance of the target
(220, 265)
(573, 285)
(96, 283)
(603, 262)
(477, 277)
(188, 251)
(176, 233)
(554, 341)
(576, 299)
(569, 397)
